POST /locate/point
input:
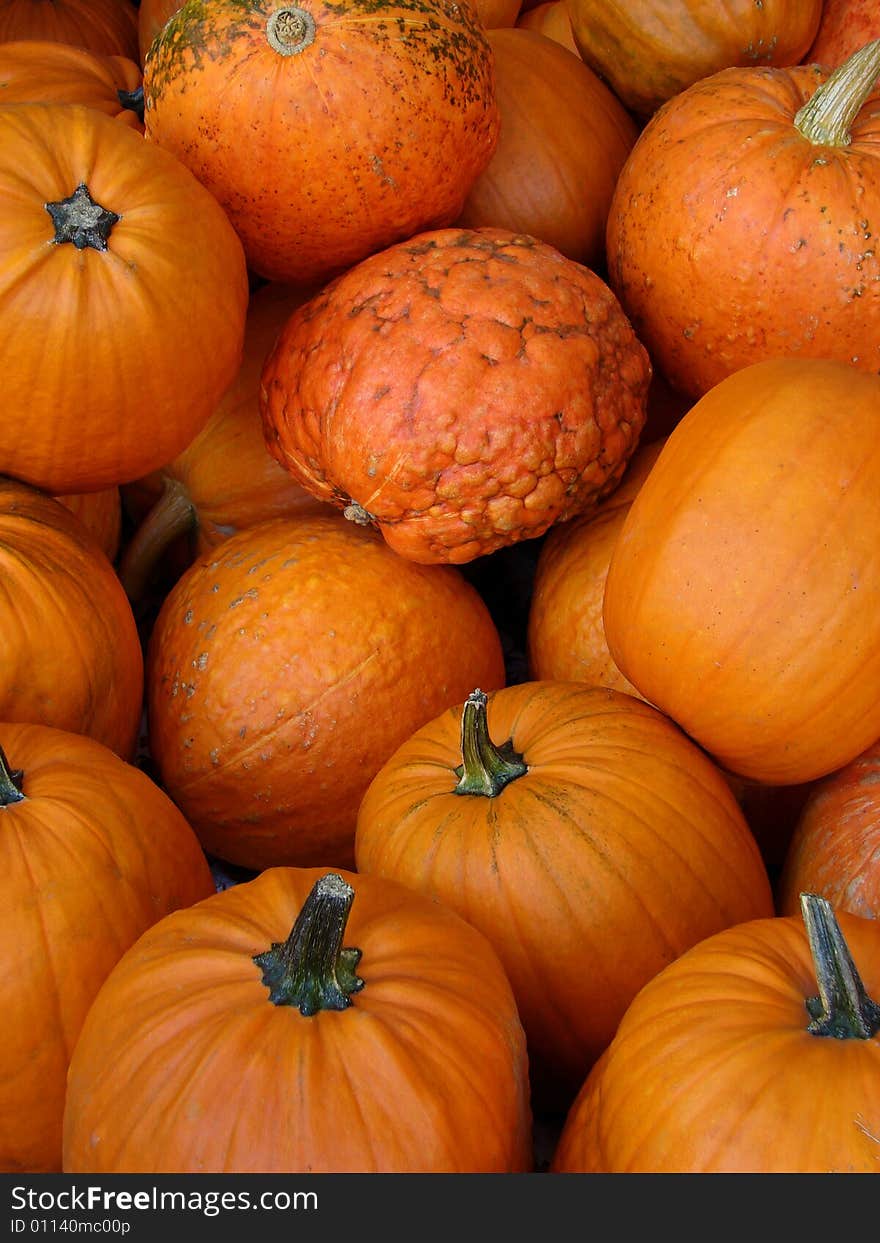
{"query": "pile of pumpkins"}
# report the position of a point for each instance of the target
(440, 609)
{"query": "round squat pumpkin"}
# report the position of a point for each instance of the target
(349, 110)
(43, 71)
(303, 1022)
(459, 392)
(743, 592)
(92, 853)
(284, 668)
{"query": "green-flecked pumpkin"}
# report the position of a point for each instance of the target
(303, 1022)
(757, 1052)
(743, 592)
(350, 112)
(123, 295)
(71, 653)
(583, 833)
(92, 853)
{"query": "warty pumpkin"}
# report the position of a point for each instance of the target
(743, 223)
(729, 1062)
(587, 838)
(743, 592)
(349, 109)
(91, 854)
(361, 1027)
(459, 392)
(123, 294)
(43, 71)
(105, 26)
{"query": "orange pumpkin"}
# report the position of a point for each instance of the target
(728, 1061)
(284, 668)
(459, 392)
(91, 854)
(101, 512)
(763, 184)
(845, 26)
(564, 139)
(152, 16)
(303, 1022)
(550, 18)
(587, 838)
(348, 109)
(743, 593)
(71, 652)
(41, 71)
(494, 13)
(105, 26)
(835, 846)
(650, 50)
(98, 229)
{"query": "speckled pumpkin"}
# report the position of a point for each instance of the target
(459, 392)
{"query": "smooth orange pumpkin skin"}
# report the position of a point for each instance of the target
(101, 512)
(650, 50)
(743, 593)
(72, 656)
(460, 391)
(104, 388)
(564, 139)
(92, 857)
(497, 13)
(43, 71)
(845, 26)
(424, 1072)
(621, 847)
(777, 1100)
(550, 18)
(343, 137)
(105, 26)
(284, 668)
(723, 192)
(835, 847)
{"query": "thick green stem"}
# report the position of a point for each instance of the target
(843, 1008)
(486, 768)
(10, 782)
(826, 117)
(172, 516)
(311, 969)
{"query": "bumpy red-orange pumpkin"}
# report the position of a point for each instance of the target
(265, 1030)
(91, 854)
(350, 109)
(105, 26)
(43, 71)
(459, 392)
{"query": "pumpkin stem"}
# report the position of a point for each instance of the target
(172, 516)
(311, 969)
(10, 782)
(290, 30)
(485, 769)
(826, 117)
(79, 219)
(133, 100)
(843, 1008)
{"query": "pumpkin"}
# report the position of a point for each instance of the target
(650, 50)
(495, 13)
(102, 514)
(368, 97)
(564, 139)
(763, 184)
(743, 592)
(42, 71)
(844, 27)
(91, 854)
(108, 27)
(565, 636)
(458, 392)
(835, 845)
(579, 830)
(729, 1062)
(99, 229)
(225, 478)
(284, 668)
(152, 16)
(550, 18)
(362, 1028)
(72, 656)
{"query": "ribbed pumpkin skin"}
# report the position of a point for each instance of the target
(344, 136)
(42, 71)
(650, 50)
(105, 26)
(71, 653)
(186, 1066)
(101, 512)
(620, 848)
(284, 668)
(92, 857)
(835, 847)
(712, 1069)
(105, 389)
(743, 593)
